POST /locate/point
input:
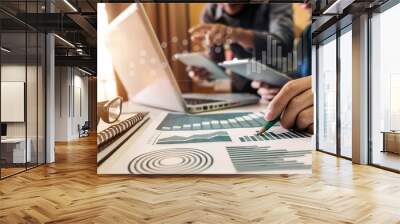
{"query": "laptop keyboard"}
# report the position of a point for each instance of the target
(192, 101)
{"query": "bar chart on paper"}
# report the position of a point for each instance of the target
(273, 136)
(176, 122)
(254, 159)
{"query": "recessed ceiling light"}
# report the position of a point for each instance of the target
(70, 5)
(64, 40)
(84, 71)
(5, 50)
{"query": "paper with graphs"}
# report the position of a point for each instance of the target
(221, 143)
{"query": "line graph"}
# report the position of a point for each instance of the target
(219, 136)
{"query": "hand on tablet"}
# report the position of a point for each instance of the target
(199, 75)
(218, 34)
(266, 91)
(295, 103)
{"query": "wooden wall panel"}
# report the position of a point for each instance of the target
(301, 17)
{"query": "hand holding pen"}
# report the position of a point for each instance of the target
(293, 106)
(268, 124)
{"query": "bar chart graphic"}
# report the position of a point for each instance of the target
(177, 122)
(254, 159)
(219, 136)
(273, 136)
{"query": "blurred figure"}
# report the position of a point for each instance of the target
(303, 50)
(244, 29)
(294, 103)
(305, 45)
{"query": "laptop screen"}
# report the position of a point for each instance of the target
(139, 60)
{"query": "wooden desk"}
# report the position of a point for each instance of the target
(13, 150)
(391, 141)
(112, 166)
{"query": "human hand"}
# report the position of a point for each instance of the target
(266, 91)
(212, 34)
(295, 103)
(218, 34)
(199, 75)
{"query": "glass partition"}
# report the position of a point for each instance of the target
(22, 92)
(14, 153)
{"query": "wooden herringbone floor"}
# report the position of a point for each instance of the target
(69, 191)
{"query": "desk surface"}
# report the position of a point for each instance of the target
(13, 140)
(107, 166)
(391, 132)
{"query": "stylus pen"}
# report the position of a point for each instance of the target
(268, 125)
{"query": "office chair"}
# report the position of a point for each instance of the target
(84, 130)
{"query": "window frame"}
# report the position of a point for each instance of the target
(337, 25)
(378, 10)
(332, 33)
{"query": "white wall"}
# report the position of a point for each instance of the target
(12, 73)
(80, 103)
(69, 82)
(61, 103)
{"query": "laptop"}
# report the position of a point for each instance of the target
(145, 73)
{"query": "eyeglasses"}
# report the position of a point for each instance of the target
(109, 111)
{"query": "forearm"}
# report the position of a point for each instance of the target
(244, 37)
(250, 39)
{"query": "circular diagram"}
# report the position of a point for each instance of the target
(171, 161)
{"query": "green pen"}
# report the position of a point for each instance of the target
(268, 125)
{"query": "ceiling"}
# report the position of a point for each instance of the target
(74, 22)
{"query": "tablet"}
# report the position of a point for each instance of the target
(198, 59)
(254, 70)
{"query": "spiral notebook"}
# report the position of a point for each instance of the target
(111, 136)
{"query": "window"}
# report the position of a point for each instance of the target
(346, 95)
(385, 88)
(326, 98)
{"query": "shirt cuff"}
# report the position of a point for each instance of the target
(261, 40)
